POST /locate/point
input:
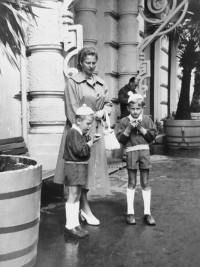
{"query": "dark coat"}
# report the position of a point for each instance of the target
(123, 100)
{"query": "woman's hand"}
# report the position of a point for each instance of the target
(96, 137)
(99, 115)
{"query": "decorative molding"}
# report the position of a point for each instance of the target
(112, 14)
(144, 72)
(164, 86)
(94, 10)
(127, 73)
(44, 48)
(94, 41)
(126, 13)
(112, 74)
(141, 34)
(164, 103)
(135, 44)
(165, 50)
(164, 68)
(112, 44)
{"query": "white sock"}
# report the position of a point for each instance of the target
(147, 201)
(130, 200)
(69, 209)
(76, 214)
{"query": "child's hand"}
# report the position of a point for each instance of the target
(88, 136)
(138, 125)
(141, 129)
(90, 143)
(99, 114)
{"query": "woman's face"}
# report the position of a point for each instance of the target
(88, 65)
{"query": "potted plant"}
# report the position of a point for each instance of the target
(20, 188)
(182, 132)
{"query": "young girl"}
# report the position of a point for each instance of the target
(136, 132)
(76, 154)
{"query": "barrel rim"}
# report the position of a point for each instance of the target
(31, 167)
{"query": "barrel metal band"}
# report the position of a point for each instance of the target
(20, 193)
(20, 227)
(18, 253)
(30, 263)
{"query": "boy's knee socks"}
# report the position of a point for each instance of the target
(147, 201)
(76, 214)
(130, 200)
(69, 209)
(72, 215)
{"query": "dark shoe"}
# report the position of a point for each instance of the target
(82, 229)
(130, 219)
(149, 220)
(74, 232)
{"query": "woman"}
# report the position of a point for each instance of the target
(85, 88)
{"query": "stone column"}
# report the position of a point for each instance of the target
(128, 40)
(85, 14)
(46, 86)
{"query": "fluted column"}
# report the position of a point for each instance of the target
(85, 14)
(128, 40)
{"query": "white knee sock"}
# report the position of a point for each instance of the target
(147, 201)
(76, 214)
(69, 209)
(130, 201)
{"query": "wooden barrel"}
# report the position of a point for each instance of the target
(182, 133)
(195, 115)
(20, 193)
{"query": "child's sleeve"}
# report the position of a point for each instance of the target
(79, 146)
(151, 131)
(124, 131)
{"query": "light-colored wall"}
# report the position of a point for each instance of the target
(161, 79)
(10, 107)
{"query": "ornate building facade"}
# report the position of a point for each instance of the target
(116, 29)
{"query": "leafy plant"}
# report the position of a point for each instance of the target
(159, 127)
(14, 15)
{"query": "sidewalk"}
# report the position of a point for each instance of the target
(173, 242)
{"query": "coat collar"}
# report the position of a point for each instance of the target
(79, 78)
(74, 126)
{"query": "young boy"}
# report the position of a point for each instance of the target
(76, 154)
(136, 132)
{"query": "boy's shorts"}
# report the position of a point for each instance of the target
(75, 174)
(141, 157)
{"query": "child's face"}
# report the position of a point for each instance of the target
(85, 123)
(135, 110)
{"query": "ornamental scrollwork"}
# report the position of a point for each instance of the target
(70, 35)
(167, 15)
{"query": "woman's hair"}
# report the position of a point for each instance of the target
(140, 102)
(84, 52)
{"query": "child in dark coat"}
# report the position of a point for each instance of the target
(136, 132)
(76, 154)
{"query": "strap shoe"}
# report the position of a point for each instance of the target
(75, 232)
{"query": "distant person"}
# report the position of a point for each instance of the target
(77, 152)
(136, 132)
(123, 95)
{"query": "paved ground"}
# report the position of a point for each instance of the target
(173, 242)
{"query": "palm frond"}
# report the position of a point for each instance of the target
(14, 14)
